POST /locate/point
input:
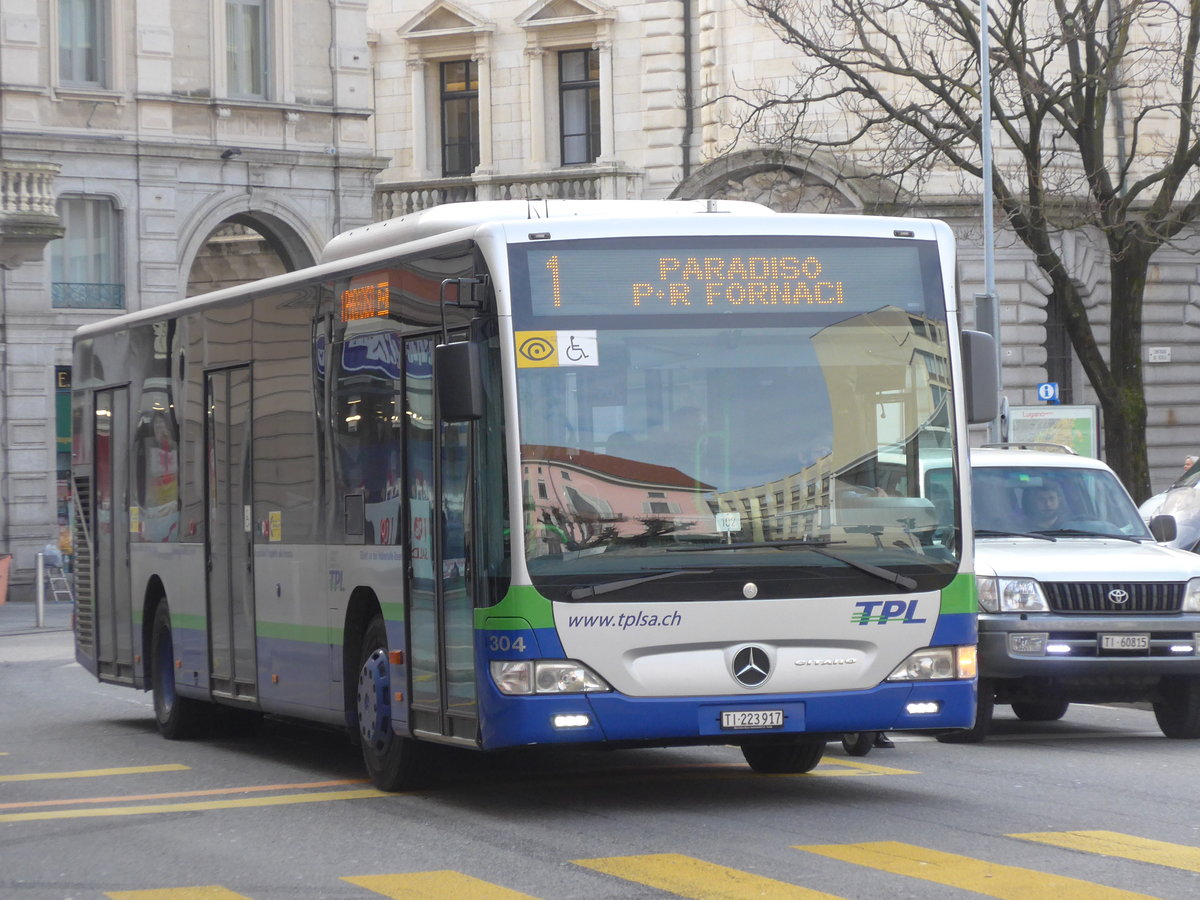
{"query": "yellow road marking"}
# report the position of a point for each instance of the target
(685, 876)
(442, 885)
(209, 892)
(92, 773)
(253, 789)
(856, 768)
(987, 878)
(285, 800)
(1110, 843)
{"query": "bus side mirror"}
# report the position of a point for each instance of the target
(1164, 528)
(458, 380)
(979, 370)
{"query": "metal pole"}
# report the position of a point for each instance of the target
(991, 321)
(41, 589)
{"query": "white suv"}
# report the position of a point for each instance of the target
(1078, 601)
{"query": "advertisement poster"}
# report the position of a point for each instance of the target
(1075, 426)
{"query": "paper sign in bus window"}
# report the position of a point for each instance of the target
(552, 349)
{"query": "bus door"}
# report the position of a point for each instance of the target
(229, 552)
(440, 602)
(114, 607)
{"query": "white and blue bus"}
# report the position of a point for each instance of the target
(520, 473)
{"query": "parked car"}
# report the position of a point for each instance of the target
(1079, 602)
(1182, 501)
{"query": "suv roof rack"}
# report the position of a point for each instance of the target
(1031, 445)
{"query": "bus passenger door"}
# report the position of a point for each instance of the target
(230, 556)
(441, 605)
(114, 606)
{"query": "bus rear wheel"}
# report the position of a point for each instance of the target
(177, 717)
(784, 757)
(393, 762)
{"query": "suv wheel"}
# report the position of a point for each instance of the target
(1178, 712)
(1040, 710)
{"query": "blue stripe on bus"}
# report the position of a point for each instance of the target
(954, 629)
(517, 721)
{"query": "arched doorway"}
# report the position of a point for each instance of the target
(778, 180)
(245, 247)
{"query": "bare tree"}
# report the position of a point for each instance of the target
(1093, 110)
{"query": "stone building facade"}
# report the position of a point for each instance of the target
(194, 144)
(578, 98)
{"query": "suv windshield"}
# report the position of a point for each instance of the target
(753, 440)
(1057, 501)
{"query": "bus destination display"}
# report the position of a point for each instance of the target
(596, 278)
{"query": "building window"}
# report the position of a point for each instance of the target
(579, 99)
(85, 264)
(83, 42)
(460, 117)
(246, 48)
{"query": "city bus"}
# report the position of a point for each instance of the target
(516, 473)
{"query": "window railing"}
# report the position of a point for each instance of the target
(84, 295)
(592, 183)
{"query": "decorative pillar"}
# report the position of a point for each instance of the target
(537, 108)
(607, 120)
(417, 128)
(485, 114)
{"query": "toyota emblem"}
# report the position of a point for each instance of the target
(1118, 596)
(751, 666)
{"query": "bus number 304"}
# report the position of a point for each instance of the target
(503, 643)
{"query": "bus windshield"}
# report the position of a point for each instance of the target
(784, 445)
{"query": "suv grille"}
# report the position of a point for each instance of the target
(1096, 597)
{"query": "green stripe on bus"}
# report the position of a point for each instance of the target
(307, 634)
(959, 595)
(522, 602)
(183, 620)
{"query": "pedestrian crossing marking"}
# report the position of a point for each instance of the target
(209, 892)
(987, 878)
(441, 885)
(686, 876)
(1125, 846)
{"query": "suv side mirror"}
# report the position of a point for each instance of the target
(1163, 528)
(979, 371)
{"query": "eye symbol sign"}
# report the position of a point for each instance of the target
(536, 349)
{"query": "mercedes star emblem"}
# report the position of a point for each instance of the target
(751, 665)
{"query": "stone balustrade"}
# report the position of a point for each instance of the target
(28, 218)
(394, 199)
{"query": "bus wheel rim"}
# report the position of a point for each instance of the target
(374, 707)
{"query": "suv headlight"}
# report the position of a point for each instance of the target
(545, 676)
(1191, 597)
(1013, 594)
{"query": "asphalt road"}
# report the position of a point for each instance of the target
(93, 804)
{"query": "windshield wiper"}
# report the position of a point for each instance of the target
(595, 590)
(1080, 532)
(994, 532)
(816, 546)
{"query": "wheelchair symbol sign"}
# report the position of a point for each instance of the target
(1048, 391)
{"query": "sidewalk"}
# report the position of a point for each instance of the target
(20, 617)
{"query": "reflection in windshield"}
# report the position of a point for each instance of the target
(724, 436)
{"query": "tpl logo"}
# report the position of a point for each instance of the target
(904, 611)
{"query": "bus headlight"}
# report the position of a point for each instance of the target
(937, 664)
(545, 676)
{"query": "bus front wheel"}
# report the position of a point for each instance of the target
(394, 762)
(788, 757)
(177, 717)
